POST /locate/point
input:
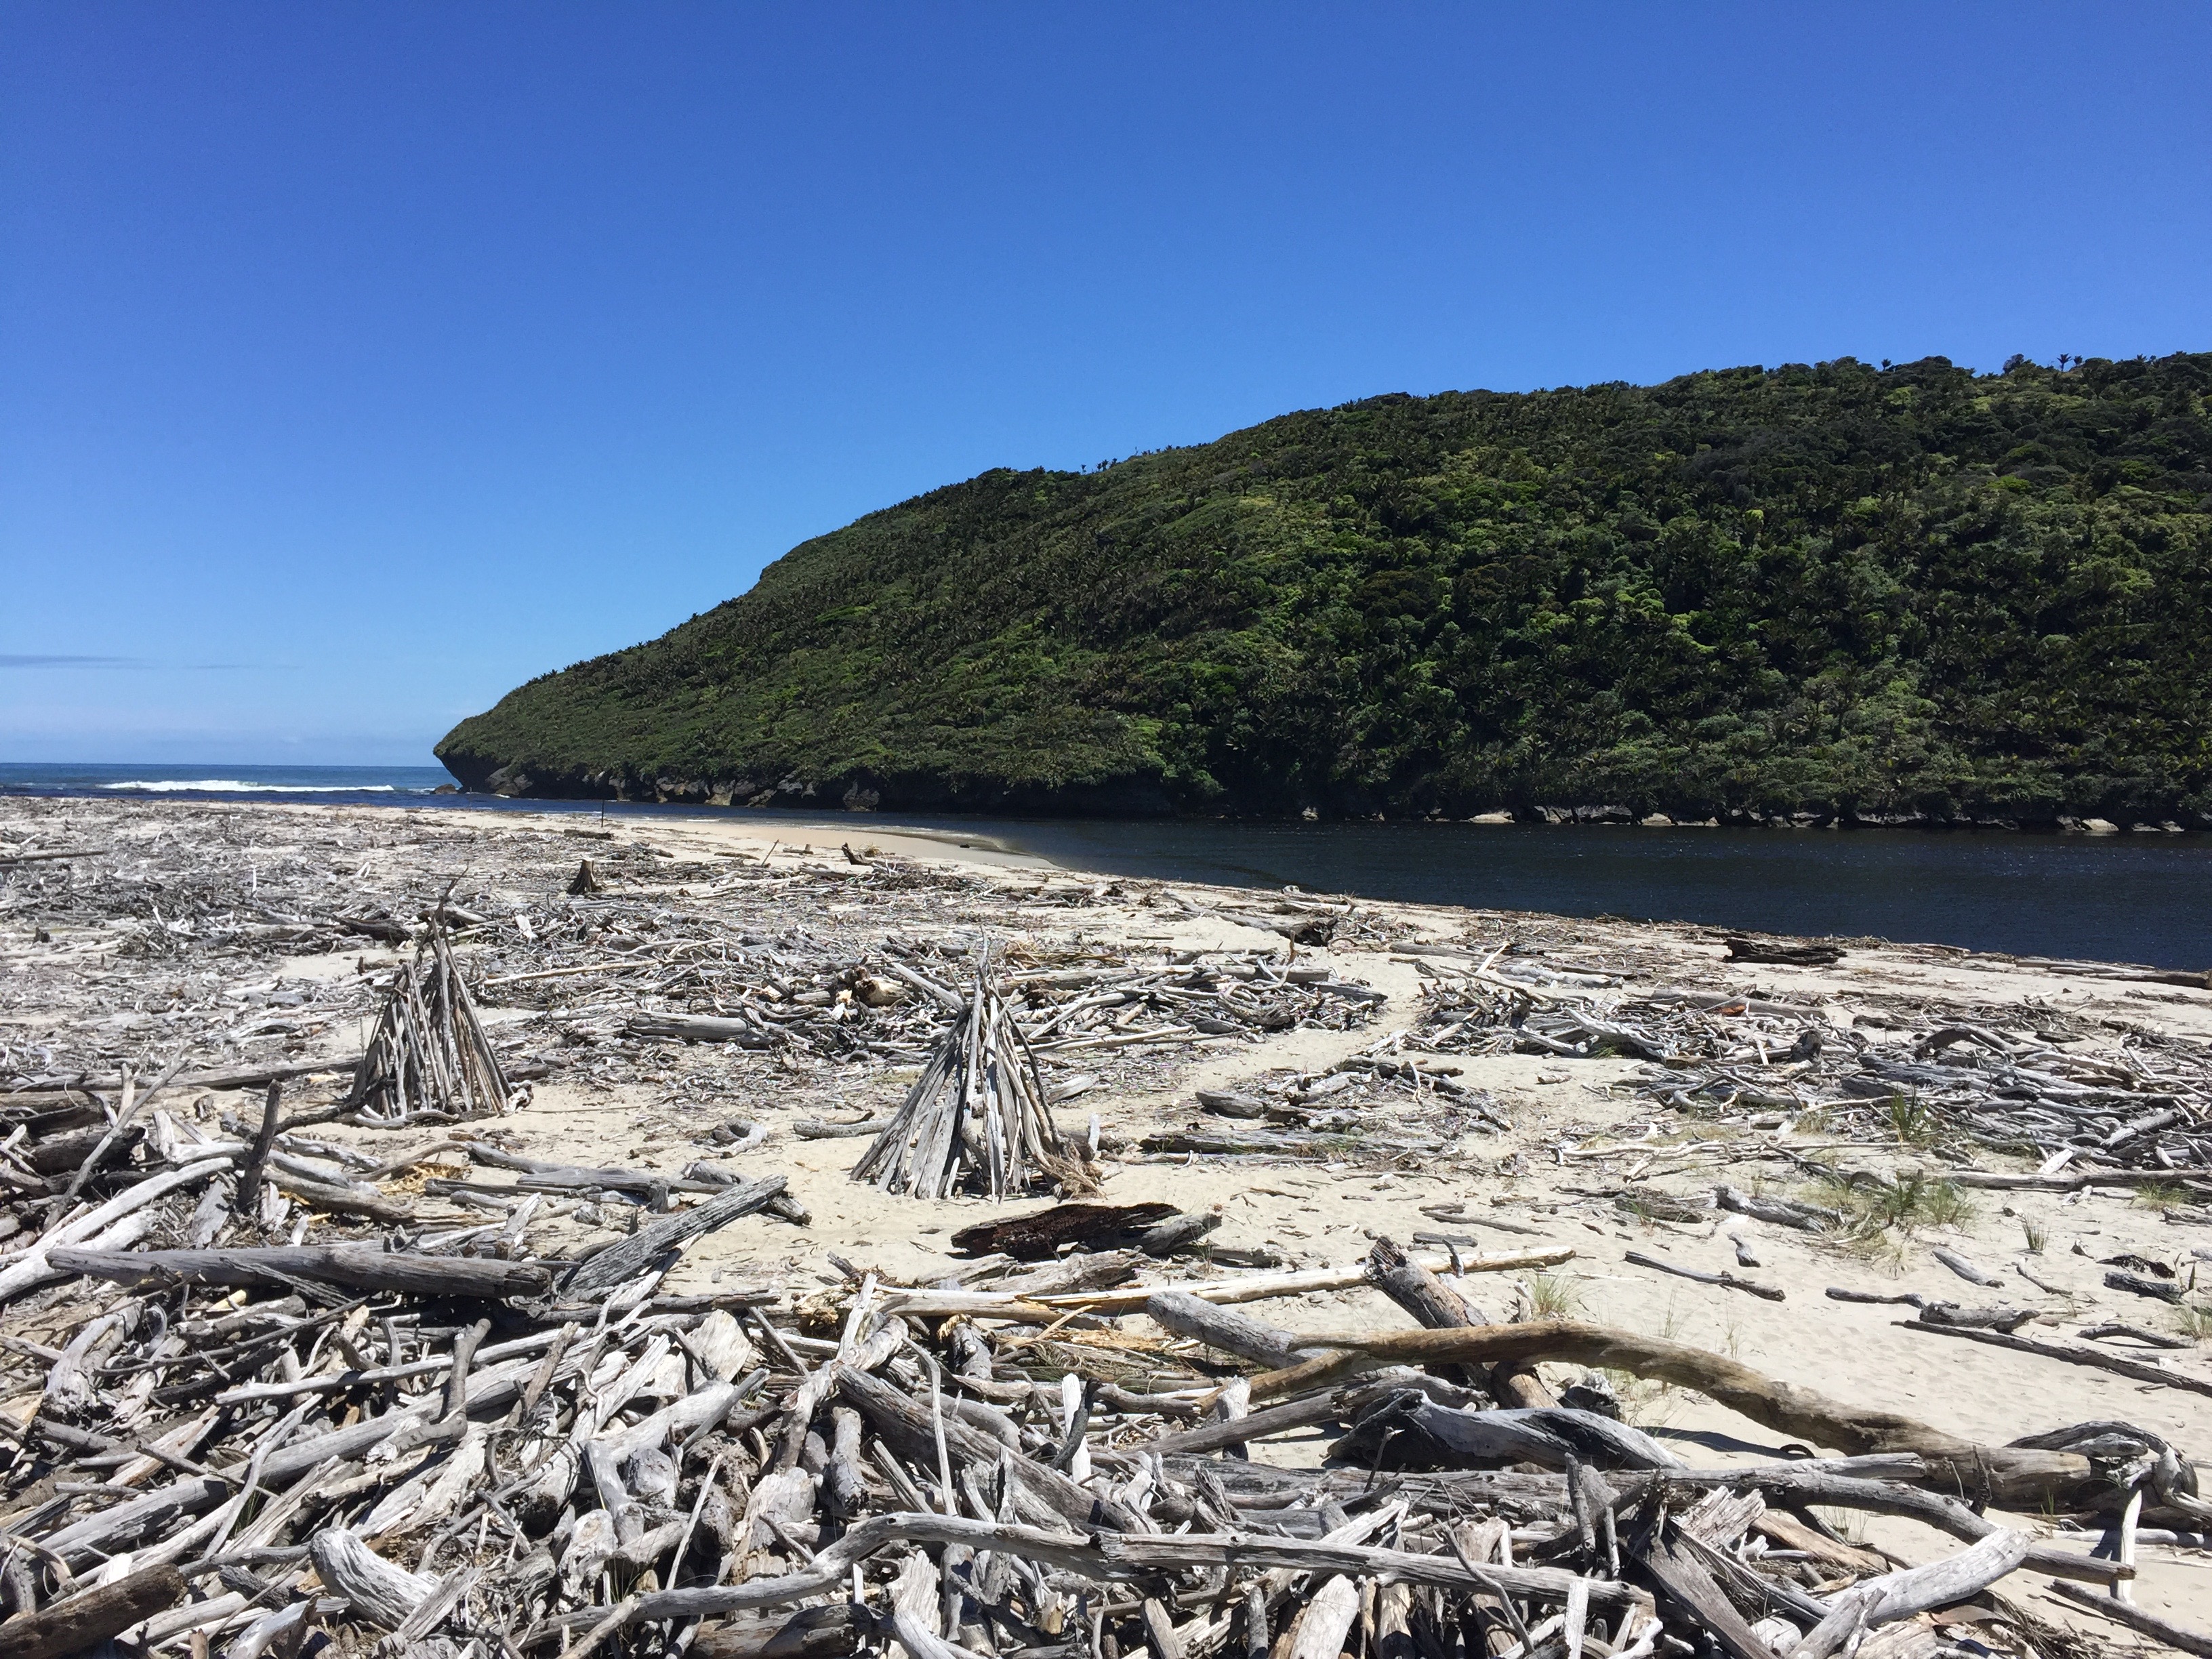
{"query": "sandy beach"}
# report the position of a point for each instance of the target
(226, 936)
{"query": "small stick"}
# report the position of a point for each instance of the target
(1773, 1293)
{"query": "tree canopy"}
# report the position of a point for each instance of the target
(1894, 592)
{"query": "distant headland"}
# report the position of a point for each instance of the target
(1829, 593)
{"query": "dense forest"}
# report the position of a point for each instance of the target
(1909, 593)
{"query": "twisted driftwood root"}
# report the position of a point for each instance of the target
(2008, 1474)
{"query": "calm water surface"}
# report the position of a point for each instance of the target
(2121, 898)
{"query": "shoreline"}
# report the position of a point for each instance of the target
(2085, 825)
(2125, 900)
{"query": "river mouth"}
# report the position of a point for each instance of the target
(2138, 898)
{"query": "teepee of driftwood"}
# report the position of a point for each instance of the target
(428, 1057)
(975, 1116)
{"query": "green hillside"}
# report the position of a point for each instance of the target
(1897, 593)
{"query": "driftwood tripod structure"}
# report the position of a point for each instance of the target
(978, 1109)
(429, 1056)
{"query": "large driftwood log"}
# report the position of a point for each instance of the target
(85, 1621)
(1809, 1482)
(1434, 1305)
(1915, 1590)
(1039, 1236)
(1223, 1328)
(356, 1267)
(620, 1262)
(1118, 1556)
(2014, 1475)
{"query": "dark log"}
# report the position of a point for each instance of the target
(620, 1263)
(2139, 1285)
(356, 1267)
(58, 1154)
(1795, 956)
(1041, 1234)
(809, 1633)
(86, 1620)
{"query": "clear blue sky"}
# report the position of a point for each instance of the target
(359, 362)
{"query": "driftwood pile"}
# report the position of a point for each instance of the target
(253, 1448)
(977, 1111)
(429, 1059)
(1377, 1108)
(2002, 1078)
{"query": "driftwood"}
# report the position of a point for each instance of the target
(2180, 1638)
(1041, 1235)
(460, 1454)
(384, 1593)
(358, 1266)
(2072, 1352)
(1221, 1328)
(85, 1620)
(1796, 955)
(1783, 1407)
(429, 1056)
(1914, 1589)
(624, 1261)
(701, 1027)
(978, 1109)
(1771, 1292)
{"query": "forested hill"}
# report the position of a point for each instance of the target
(1903, 593)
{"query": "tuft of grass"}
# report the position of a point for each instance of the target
(1551, 1298)
(1911, 1119)
(1878, 1216)
(1946, 1205)
(2192, 1322)
(2037, 1237)
(2161, 1195)
(1880, 1249)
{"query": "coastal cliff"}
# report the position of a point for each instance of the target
(1906, 594)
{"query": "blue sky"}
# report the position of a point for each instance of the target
(359, 362)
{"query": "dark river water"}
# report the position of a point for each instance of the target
(2124, 898)
(2113, 898)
